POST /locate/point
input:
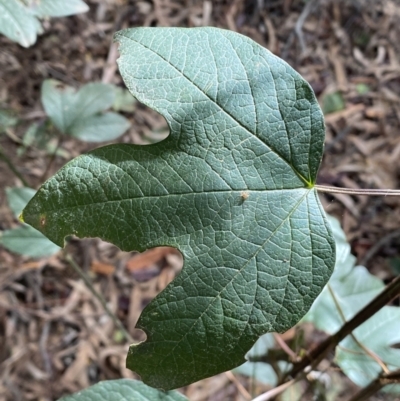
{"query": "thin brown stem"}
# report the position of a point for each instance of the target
(12, 167)
(285, 347)
(242, 390)
(378, 245)
(381, 381)
(315, 356)
(53, 156)
(370, 353)
(99, 297)
(269, 395)
(358, 191)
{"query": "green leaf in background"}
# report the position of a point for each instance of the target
(377, 334)
(25, 240)
(123, 390)
(6, 120)
(362, 89)
(332, 102)
(123, 101)
(18, 17)
(261, 371)
(99, 128)
(17, 23)
(78, 113)
(231, 188)
(18, 198)
(56, 8)
(351, 288)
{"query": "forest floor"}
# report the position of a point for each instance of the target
(55, 337)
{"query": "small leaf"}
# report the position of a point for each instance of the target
(124, 101)
(31, 134)
(332, 102)
(17, 198)
(377, 334)
(77, 113)
(362, 89)
(66, 107)
(260, 371)
(352, 292)
(56, 8)
(261, 347)
(27, 241)
(242, 121)
(17, 23)
(105, 127)
(6, 119)
(123, 390)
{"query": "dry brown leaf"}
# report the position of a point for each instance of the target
(135, 307)
(102, 268)
(148, 258)
(77, 371)
(375, 112)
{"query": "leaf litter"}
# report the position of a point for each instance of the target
(56, 337)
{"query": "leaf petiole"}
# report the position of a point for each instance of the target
(358, 191)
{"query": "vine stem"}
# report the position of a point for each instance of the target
(315, 356)
(383, 380)
(13, 168)
(53, 156)
(99, 297)
(358, 191)
(269, 395)
(370, 353)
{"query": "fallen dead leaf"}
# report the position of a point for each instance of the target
(102, 268)
(148, 258)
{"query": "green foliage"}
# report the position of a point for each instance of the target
(7, 120)
(377, 335)
(231, 188)
(123, 101)
(123, 390)
(18, 198)
(348, 291)
(362, 89)
(56, 8)
(332, 102)
(262, 371)
(42, 137)
(25, 240)
(81, 114)
(19, 18)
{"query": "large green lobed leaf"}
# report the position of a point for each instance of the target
(231, 188)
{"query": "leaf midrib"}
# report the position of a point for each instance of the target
(302, 178)
(232, 191)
